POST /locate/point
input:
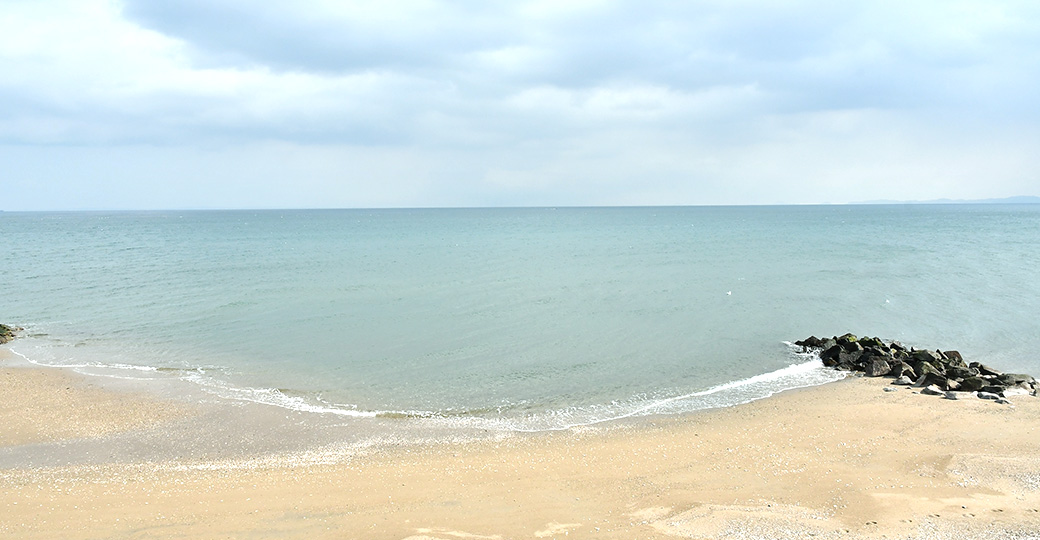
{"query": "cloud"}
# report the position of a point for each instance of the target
(496, 103)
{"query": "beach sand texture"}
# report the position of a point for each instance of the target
(843, 460)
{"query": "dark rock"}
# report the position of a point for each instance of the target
(954, 358)
(988, 395)
(811, 342)
(931, 379)
(830, 356)
(922, 368)
(998, 390)
(952, 385)
(846, 338)
(849, 357)
(903, 381)
(872, 342)
(877, 367)
(956, 372)
(890, 389)
(972, 384)
(956, 395)
(1003, 401)
(7, 333)
(932, 390)
(851, 346)
(1011, 379)
(828, 343)
(901, 368)
(986, 370)
(926, 356)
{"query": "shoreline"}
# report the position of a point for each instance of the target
(841, 460)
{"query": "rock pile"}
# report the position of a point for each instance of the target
(939, 372)
(7, 333)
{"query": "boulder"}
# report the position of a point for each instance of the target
(972, 384)
(957, 372)
(850, 346)
(7, 333)
(903, 381)
(922, 368)
(877, 367)
(811, 342)
(1011, 379)
(927, 356)
(830, 356)
(851, 358)
(988, 395)
(985, 370)
(931, 379)
(873, 342)
(993, 389)
(932, 390)
(901, 368)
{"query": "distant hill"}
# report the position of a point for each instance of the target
(1021, 199)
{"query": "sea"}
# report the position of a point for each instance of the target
(512, 319)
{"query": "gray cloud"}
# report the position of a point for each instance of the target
(536, 102)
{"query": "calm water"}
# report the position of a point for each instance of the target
(513, 318)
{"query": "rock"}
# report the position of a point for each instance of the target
(903, 381)
(900, 368)
(877, 367)
(993, 389)
(926, 356)
(988, 395)
(957, 372)
(7, 333)
(932, 390)
(846, 338)
(1003, 401)
(850, 358)
(890, 389)
(952, 385)
(972, 384)
(830, 356)
(1011, 379)
(872, 342)
(984, 369)
(850, 346)
(958, 395)
(931, 379)
(811, 342)
(955, 358)
(925, 368)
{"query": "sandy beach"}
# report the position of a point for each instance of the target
(843, 460)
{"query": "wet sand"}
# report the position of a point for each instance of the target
(844, 460)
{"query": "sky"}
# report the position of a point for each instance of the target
(151, 104)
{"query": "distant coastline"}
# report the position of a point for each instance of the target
(1021, 199)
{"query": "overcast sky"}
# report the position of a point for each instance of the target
(324, 103)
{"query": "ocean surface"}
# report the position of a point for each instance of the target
(521, 319)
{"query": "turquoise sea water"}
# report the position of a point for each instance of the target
(515, 319)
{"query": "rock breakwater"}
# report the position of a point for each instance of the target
(7, 333)
(938, 372)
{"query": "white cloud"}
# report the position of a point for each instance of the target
(529, 102)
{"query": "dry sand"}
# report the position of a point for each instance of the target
(845, 460)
